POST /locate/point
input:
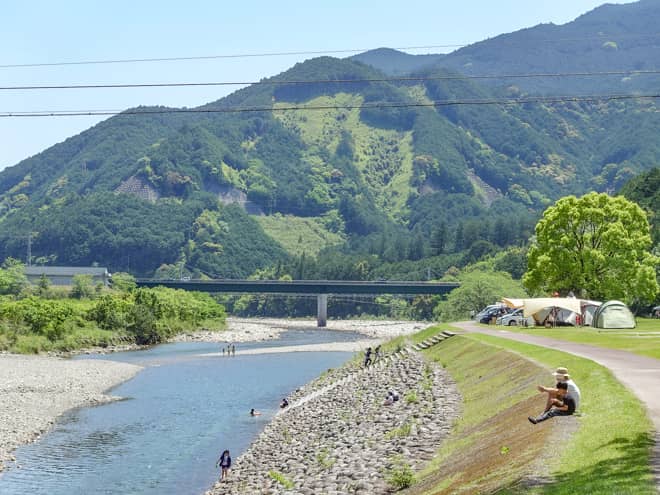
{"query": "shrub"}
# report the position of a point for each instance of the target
(281, 479)
(31, 344)
(400, 475)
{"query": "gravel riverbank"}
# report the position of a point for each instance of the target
(338, 437)
(259, 329)
(35, 390)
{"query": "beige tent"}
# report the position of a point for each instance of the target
(513, 303)
(533, 306)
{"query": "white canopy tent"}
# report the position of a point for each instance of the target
(561, 309)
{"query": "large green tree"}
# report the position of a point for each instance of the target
(596, 246)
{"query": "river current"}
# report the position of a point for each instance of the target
(178, 414)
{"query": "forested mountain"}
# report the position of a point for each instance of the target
(609, 38)
(389, 184)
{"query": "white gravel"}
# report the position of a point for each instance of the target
(35, 390)
(258, 329)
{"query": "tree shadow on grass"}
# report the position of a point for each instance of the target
(628, 471)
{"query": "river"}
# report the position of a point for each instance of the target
(179, 413)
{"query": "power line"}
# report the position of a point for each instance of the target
(443, 103)
(303, 52)
(213, 57)
(335, 81)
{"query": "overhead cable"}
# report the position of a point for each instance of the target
(280, 82)
(229, 110)
(315, 52)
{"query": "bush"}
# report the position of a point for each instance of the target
(31, 344)
(400, 475)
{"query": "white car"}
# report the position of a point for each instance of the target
(516, 318)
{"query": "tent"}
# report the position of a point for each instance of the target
(533, 306)
(557, 310)
(613, 314)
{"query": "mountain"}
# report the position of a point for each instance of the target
(609, 38)
(396, 63)
(376, 178)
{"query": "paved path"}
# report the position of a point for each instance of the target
(640, 374)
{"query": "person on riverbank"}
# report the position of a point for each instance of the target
(377, 353)
(561, 376)
(284, 404)
(563, 405)
(224, 462)
(367, 357)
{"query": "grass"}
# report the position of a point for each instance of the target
(298, 235)
(643, 340)
(492, 445)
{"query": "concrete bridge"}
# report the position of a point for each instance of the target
(322, 288)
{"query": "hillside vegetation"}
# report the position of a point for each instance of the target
(390, 182)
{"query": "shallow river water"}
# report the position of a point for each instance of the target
(179, 413)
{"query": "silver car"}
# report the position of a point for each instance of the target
(516, 318)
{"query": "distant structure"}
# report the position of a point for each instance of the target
(63, 275)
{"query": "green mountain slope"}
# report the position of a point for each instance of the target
(381, 170)
(608, 38)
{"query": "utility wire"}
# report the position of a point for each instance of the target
(227, 110)
(318, 52)
(213, 57)
(334, 81)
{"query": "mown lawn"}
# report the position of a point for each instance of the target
(643, 340)
(493, 445)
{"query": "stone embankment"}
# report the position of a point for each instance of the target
(338, 437)
(35, 390)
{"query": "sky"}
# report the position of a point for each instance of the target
(47, 32)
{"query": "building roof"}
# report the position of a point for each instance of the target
(66, 271)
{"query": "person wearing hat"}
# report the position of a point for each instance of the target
(561, 376)
(563, 405)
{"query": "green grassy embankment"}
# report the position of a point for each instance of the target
(493, 447)
(643, 340)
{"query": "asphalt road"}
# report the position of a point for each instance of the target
(638, 373)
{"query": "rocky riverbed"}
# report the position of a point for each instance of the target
(338, 437)
(35, 390)
(258, 329)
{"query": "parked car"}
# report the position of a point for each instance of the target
(488, 309)
(488, 316)
(514, 318)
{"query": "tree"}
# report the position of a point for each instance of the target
(478, 289)
(82, 287)
(12, 277)
(597, 246)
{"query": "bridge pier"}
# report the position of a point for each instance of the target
(322, 310)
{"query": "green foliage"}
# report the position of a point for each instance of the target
(596, 246)
(400, 475)
(82, 287)
(123, 282)
(644, 190)
(12, 277)
(281, 479)
(142, 316)
(478, 289)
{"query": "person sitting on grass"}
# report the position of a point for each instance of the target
(563, 405)
(561, 375)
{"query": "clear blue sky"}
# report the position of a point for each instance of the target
(43, 31)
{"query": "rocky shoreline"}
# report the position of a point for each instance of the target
(35, 390)
(338, 437)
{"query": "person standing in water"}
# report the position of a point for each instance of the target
(224, 462)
